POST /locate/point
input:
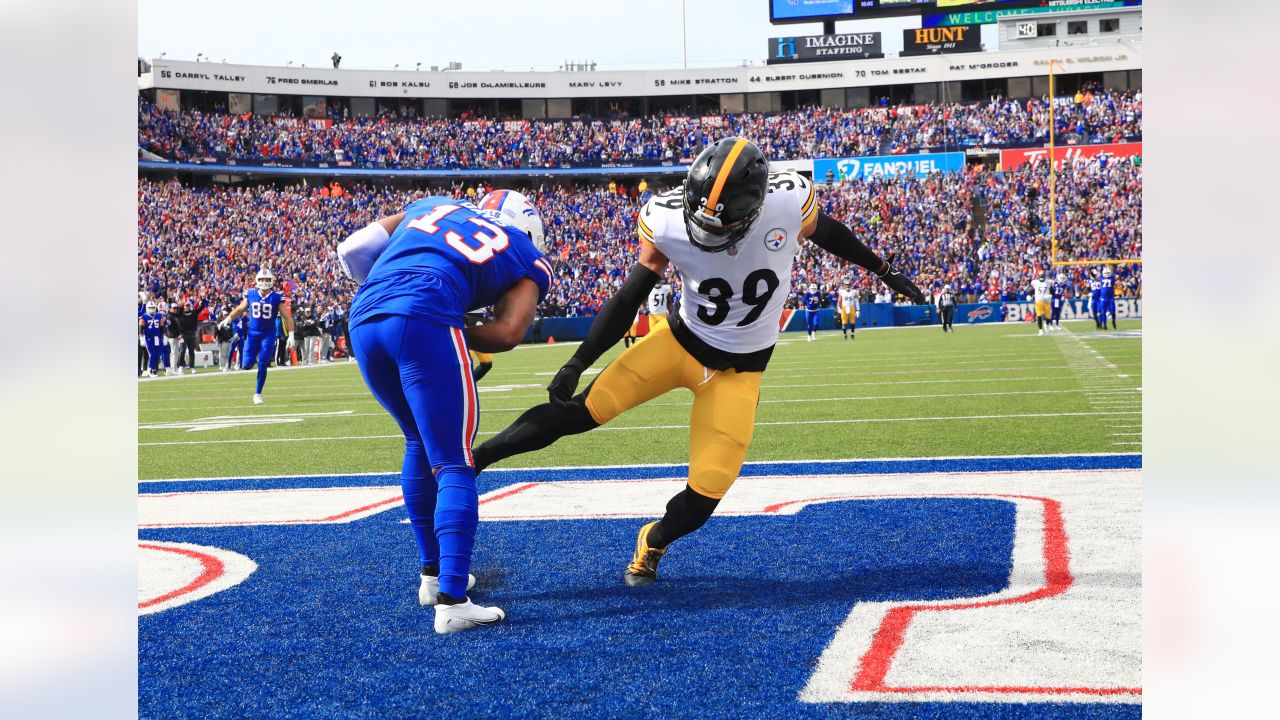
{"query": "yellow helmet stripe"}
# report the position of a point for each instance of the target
(723, 175)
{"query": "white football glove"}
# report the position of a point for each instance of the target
(290, 343)
(223, 323)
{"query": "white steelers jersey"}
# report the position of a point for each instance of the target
(733, 300)
(1041, 289)
(659, 299)
(849, 300)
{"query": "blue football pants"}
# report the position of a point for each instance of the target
(259, 349)
(420, 372)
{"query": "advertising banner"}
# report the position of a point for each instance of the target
(812, 48)
(990, 17)
(1010, 159)
(1073, 309)
(889, 165)
(936, 40)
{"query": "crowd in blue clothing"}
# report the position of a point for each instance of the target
(983, 233)
(391, 140)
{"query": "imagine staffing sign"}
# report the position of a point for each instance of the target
(813, 48)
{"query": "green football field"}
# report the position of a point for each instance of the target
(996, 389)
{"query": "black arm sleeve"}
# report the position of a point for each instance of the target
(836, 238)
(616, 316)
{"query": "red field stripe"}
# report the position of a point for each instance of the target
(1017, 690)
(213, 569)
(509, 493)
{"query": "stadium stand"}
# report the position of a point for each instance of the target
(983, 232)
(399, 140)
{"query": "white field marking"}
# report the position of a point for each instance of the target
(1066, 628)
(549, 373)
(556, 344)
(771, 386)
(1123, 434)
(1126, 443)
(244, 373)
(172, 574)
(396, 473)
(233, 421)
(222, 422)
(311, 506)
(685, 426)
(287, 395)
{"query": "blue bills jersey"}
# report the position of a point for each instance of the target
(153, 325)
(444, 260)
(1095, 289)
(263, 311)
(812, 301)
(1107, 287)
(1059, 293)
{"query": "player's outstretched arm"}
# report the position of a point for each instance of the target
(361, 249)
(837, 239)
(611, 323)
(512, 315)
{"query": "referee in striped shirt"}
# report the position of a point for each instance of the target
(946, 308)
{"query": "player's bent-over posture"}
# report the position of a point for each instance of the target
(262, 303)
(732, 231)
(420, 272)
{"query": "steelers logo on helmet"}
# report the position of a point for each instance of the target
(723, 193)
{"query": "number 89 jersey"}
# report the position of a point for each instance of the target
(733, 300)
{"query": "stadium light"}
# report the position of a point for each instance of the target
(198, 56)
(289, 64)
(417, 66)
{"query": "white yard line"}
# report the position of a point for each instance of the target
(684, 426)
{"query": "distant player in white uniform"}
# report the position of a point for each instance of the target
(659, 304)
(849, 307)
(1042, 294)
(732, 231)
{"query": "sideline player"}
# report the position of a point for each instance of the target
(659, 304)
(420, 271)
(262, 303)
(1040, 288)
(849, 307)
(1107, 298)
(732, 231)
(1060, 289)
(812, 301)
(151, 327)
(947, 308)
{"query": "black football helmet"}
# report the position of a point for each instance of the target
(724, 192)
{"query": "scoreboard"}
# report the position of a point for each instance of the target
(796, 11)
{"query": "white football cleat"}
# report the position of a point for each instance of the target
(430, 587)
(1041, 332)
(257, 398)
(465, 616)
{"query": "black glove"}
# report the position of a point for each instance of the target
(900, 284)
(565, 383)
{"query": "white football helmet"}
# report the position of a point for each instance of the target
(1062, 277)
(265, 280)
(511, 208)
(1106, 272)
(813, 287)
(151, 307)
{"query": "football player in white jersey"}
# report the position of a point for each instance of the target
(1042, 294)
(732, 231)
(849, 307)
(659, 304)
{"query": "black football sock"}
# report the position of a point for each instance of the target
(481, 370)
(686, 511)
(444, 598)
(431, 569)
(537, 428)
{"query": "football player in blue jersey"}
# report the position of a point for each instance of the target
(1057, 298)
(811, 300)
(151, 326)
(1095, 300)
(420, 272)
(263, 304)
(1107, 298)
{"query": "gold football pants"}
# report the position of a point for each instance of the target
(724, 404)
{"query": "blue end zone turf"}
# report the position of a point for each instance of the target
(329, 625)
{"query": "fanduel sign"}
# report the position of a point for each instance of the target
(891, 165)
(812, 48)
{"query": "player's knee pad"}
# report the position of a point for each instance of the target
(457, 504)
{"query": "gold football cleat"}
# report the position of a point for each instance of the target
(644, 563)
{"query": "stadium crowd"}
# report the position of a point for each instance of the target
(402, 140)
(984, 233)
